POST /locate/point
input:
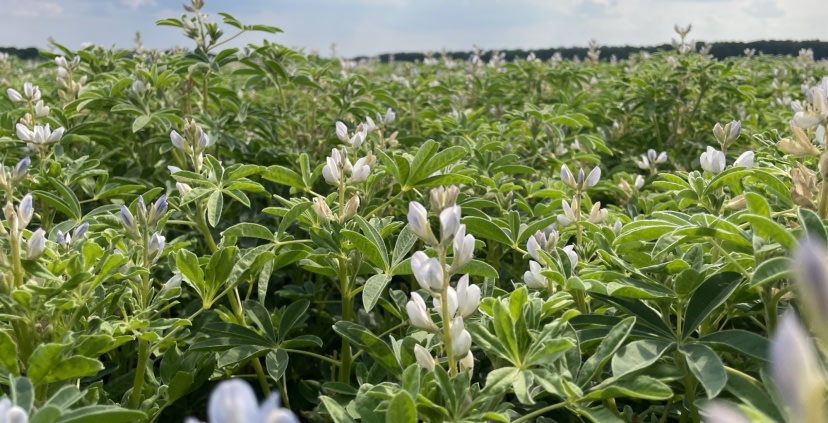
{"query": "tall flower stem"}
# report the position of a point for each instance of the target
(444, 310)
(347, 300)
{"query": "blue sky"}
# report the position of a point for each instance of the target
(367, 27)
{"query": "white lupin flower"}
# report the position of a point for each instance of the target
(427, 271)
(468, 297)
(460, 338)
(332, 172)
(568, 217)
(25, 210)
(662, 157)
(593, 177)
(360, 171)
(418, 313)
(36, 245)
(183, 188)
(451, 299)
(424, 358)
(639, 182)
(745, 159)
(712, 160)
(14, 95)
(533, 277)
(796, 371)
(14, 414)
(41, 109)
(571, 254)
(567, 177)
(173, 282)
(597, 215)
(449, 222)
(806, 119)
(32, 92)
(720, 412)
(418, 222)
(341, 131)
(233, 401)
(532, 247)
(463, 248)
(369, 125)
(644, 163)
(389, 117)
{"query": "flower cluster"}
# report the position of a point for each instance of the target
(713, 160)
(433, 274)
(233, 401)
(146, 223)
(814, 113)
(544, 243)
(650, 160)
(192, 143)
(68, 87)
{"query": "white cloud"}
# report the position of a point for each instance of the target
(135, 4)
(32, 8)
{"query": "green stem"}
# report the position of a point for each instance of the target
(769, 301)
(540, 412)
(444, 305)
(314, 355)
(201, 222)
(690, 390)
(347, 315)
(140, 371)
(235, 305)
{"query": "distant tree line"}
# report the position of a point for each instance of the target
(23, 53)
(720, 50)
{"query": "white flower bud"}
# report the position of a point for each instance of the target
(341, 131)
(460, 338)
(533, 277)
(418, 222)
(468, 297)
(572, 255)
(745, 160)
(449, 222)
(712, 160)
(418, 313)
(36, 245)
(427, 271)
(424, 358)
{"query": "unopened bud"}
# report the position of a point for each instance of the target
(736, 203)
(320, 207)
(350, 208)
(442, 198)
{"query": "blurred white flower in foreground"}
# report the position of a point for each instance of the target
(233, 401)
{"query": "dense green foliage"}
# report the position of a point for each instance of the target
(632, 292)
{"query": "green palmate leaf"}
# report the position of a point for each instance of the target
(215, 203)
(608, 346)
(291, 316)
(405, 241)
(47, 414)
(751, 392)
(140, 122)
(598, 415)
(368, 248)
(448, 179)
(401, 409)
(711, 294)
(706, 366)
(757, 204)
(371, 233)
(501, 380)
(22, 392)
(769, 229)
(478, 268)
(374, 287)
(486, 229)
(277, 363)
(505, 331)
(645, 315)
(336, 411)
(248, 230)
(284, 176)
(638, 355)
(375, 347)
(8, 354)
(644, 387)
(102, 413)
(771, 270)
(750, 343)
(812, 225)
